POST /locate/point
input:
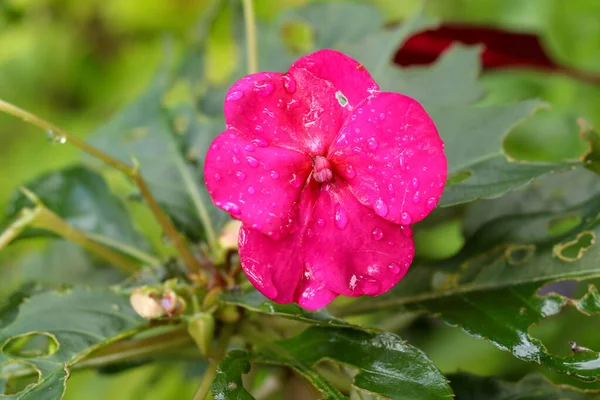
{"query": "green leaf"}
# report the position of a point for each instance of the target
(494, 177)
(592, 157)
(228, 382)
(450, 81)
(145, 130)
(256, 302)
(55, 330)
(490, 289)
(531, 387)
(82, 198)
(386, 365)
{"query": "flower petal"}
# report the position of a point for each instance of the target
(275, 267)
(313, 295)
(350, 249)
(345, 73)
(390, 153)
(257, 185)
(299, 112)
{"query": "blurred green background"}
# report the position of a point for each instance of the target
(76, 62)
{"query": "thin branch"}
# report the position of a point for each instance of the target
(133, 172)
(211, 371)
(25, 219)
(251, 45)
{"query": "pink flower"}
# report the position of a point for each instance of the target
(327, 173)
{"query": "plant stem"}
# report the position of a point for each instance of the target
(133, 172)
(251, 46)
(25, 219)
(211, 371)
(46, 219)
(123, 248)
(207, 379)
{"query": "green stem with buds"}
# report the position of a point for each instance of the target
(132, 172)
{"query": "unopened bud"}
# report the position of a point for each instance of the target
(201, 328)
(145, 304)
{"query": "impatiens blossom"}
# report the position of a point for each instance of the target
(327, 174)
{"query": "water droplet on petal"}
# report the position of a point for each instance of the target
(381, 208)
(373, 144)
(431, 203)
(251, 190)
(249, 148)
(260, 142)
(281, 104)
(289, 84)
(341, 217)
(274, 175)
(253, 162)
(416, 198)
(231, 208)
(415, 183)
(235, 95)
(310, 233)
(402, 162)
(257, 226)
(406, 230)
(350, 172)
(391, 189)
(258, 129)
(382, 116)
(264, 88)
(235, 160)
(217, 177)
(377, 234)
(395, 268)
(370, 287)
(405, 219)
(240, 175)
(215, 147)
(321, 222)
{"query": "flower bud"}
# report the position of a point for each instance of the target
(201, 328)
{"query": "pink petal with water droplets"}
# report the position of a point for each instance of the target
(396, 155)
(313, 295)
(345, 73)
(275, 267)
(257, 185)
(296, 111)
(363, 255)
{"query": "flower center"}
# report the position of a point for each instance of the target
(322, 170)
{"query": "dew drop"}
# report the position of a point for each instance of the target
(406, 230)
(415, 183)
(281, 104)
(217, 177)
(377, 234)
(395, 268)
(341, 218)
(235, 160)
(341, 98)
(249, 148)
(350, 172)
(231, 208)
(235, 95)
(236, 150)
(240, 175)
(251, 190)
(260, 142)
(259, 129)
(416, 198)
(391, 189)
(381, 208)
(321, 222)
(373, 144)
(382, 116)
(289, 83)
(264, 88)
(405, 219)
(55, 138)
(274, 175)
(215, 147)
(402, 162)
(257, 226)
(431, 203)
(310, 233)
(253, 162)
(370, 286)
